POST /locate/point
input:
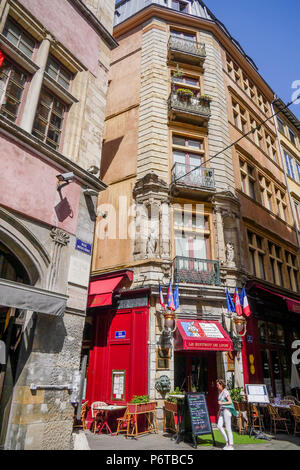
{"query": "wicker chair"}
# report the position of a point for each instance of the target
(276, 418)
(293, 399)
(295, 411)
(125, 422)
(254, 417)
(83, 414)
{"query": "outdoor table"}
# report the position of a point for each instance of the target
(108, 409)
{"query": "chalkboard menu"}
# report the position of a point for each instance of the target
(197, 420)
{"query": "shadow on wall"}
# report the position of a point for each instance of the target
(63, 209)
(109, 151)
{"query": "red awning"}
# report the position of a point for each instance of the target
(101, 288)
(198, 335)
(292, 304)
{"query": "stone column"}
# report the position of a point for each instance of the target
(34, 91)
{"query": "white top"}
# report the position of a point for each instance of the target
(224, 395)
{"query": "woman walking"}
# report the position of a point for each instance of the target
(225, 413)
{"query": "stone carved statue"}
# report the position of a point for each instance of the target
(152, 241)
(230, 253)
(163, 384)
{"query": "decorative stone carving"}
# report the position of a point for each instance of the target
(152, 240)
(59, 236)
(230, 254)
(163, 384)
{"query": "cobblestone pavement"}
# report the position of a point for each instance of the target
(162, 441)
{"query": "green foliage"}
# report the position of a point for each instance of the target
(237, 394)
(140, 399)
(184, 91)
(172, 399)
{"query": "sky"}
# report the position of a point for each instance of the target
(269, 32)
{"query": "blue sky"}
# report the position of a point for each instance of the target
(268, 31)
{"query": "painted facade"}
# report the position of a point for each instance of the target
(53, 96)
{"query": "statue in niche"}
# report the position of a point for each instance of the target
(230, 253)
(152, 240)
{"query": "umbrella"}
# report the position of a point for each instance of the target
(238, 376)
(295, 379)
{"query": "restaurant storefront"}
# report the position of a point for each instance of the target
(198, 349)
(271, 330)
(118, 343)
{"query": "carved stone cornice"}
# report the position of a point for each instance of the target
(151, 189)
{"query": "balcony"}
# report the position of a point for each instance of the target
(189, 109)
(196, 271)
(186, 50)
(190, 178)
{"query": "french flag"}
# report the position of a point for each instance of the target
(162, 302)
(237, 302)
(245, 303)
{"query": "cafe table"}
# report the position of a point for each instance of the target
(108, 409)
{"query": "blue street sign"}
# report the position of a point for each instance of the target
(84, 247)
(120, 334)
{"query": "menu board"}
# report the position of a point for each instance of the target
(197, 417)
(257, 394)
(118, 385)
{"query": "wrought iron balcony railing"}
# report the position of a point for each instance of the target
(196, 106)
(196, 271)
(187, 46)
(193, 176)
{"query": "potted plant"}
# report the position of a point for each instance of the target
(171, 401)
(184, 93)
(237, 395)
(206, 98)
(141, 403)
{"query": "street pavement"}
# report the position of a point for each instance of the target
(162, 441)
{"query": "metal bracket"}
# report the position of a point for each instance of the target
(35, 387)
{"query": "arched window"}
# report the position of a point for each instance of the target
(10, 266)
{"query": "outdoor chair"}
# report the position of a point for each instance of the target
(254, 417)
(125, 422)
(83, 414)
(276, 418)
(295, 412)
(242, 418)
(293, 399)
(97, 415)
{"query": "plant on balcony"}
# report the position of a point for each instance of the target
(178, 73)
(184, 94)
(206, 97)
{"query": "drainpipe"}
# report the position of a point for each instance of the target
(286, 178)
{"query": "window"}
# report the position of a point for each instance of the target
(247, 179)
(262, 103)
(12, 82)
(239, 116)
(297, 210)
(49, 119)
(266, 192)
(280, 125)
(276, 262)
(292, 268)
(292, 137)
(281, 204)
(257, 135)
(289, 165)
(192, 237)
(298, 170)
(189, 157)
(181, 6)
(183, 35)
(271, 147)
(192, 83)
(17, 36)
(256, 255)
(58, 73)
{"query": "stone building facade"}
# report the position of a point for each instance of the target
(52, 106)
(182, 93)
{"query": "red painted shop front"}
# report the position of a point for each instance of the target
(118, 358)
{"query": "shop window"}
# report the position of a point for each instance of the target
(163, 359)
(12, 83)
(59, 73)
(19, 37)
(49, 119)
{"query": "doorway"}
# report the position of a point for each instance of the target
(197, 372)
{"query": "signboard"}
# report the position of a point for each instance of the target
(120, 334)
(257, 394)
(118, 378)
(197, 329)
(197, 419)
(83, 246)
